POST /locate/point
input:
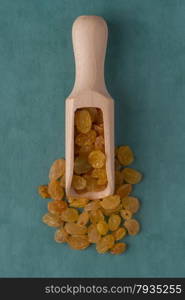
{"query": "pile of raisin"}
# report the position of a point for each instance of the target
(89, 151)
(81, 222)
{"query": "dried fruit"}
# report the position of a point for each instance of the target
(92, 205)
(132, 226)
(93, 234)
(61, 235)
(105, 243)
(57, 206)
(99, 118)
(86, 139)
(126, 214)
(83, 218)
(76, 149)
(83, 120)
(99, 217)
(114, 222)
(100, 175)
(78, 242)
(119, 233)
(43, 191)
(102, 227)
(52, 220)
(96, 216)
(74, 228)
(78, 182)
(131, 175)
(93, 113)
(109, 212)
(89, 151)
(125, 155)
(110, 202)
(96, 159)
(124, 190)
(57, 169)
(55, 190)
(131, 203)
(92, 184)
(78, 202)
(99, 143)
(118, 177)
(118, 248)
(81, 165)
(69, 215)
(85, 150)
(62, 181)
(99, 129)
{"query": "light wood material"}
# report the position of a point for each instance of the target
(89, 35)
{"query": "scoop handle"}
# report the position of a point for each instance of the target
(89, 35)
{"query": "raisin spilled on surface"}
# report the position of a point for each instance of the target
(81, 222)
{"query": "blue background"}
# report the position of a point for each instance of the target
(145, 74)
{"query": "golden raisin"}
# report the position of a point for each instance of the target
(74, 228)
(114, 222)
(92, 184)
(78, 242)
(83, 120)
(57, 169)
(62, 181)
(77, 202)
(125, 155)
(93, 234)
(102, 227)
(86, 139)
(85, 150)
(96, 216)
(101, 216)
(126, 214)
(69, 215)
(118, 177)
(55, 190)
(78, 182)
(99, 118)
(118, 248)
(76, 149)
(81, 165)
(96, 159)
(110, 202)
(92, 205)
(61, 235)
(83, 218)
(119, 233)
(99, 143)
(93, 113)
(101, 176)
(43, 191)
(100, 188)
(132, 226)
(124, 190)
(99, 129)
(105, 243)
(52, 220)
(131, 175)
(109, 212)
(56, 206)
(131, 203)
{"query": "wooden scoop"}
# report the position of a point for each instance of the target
(89, 34)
